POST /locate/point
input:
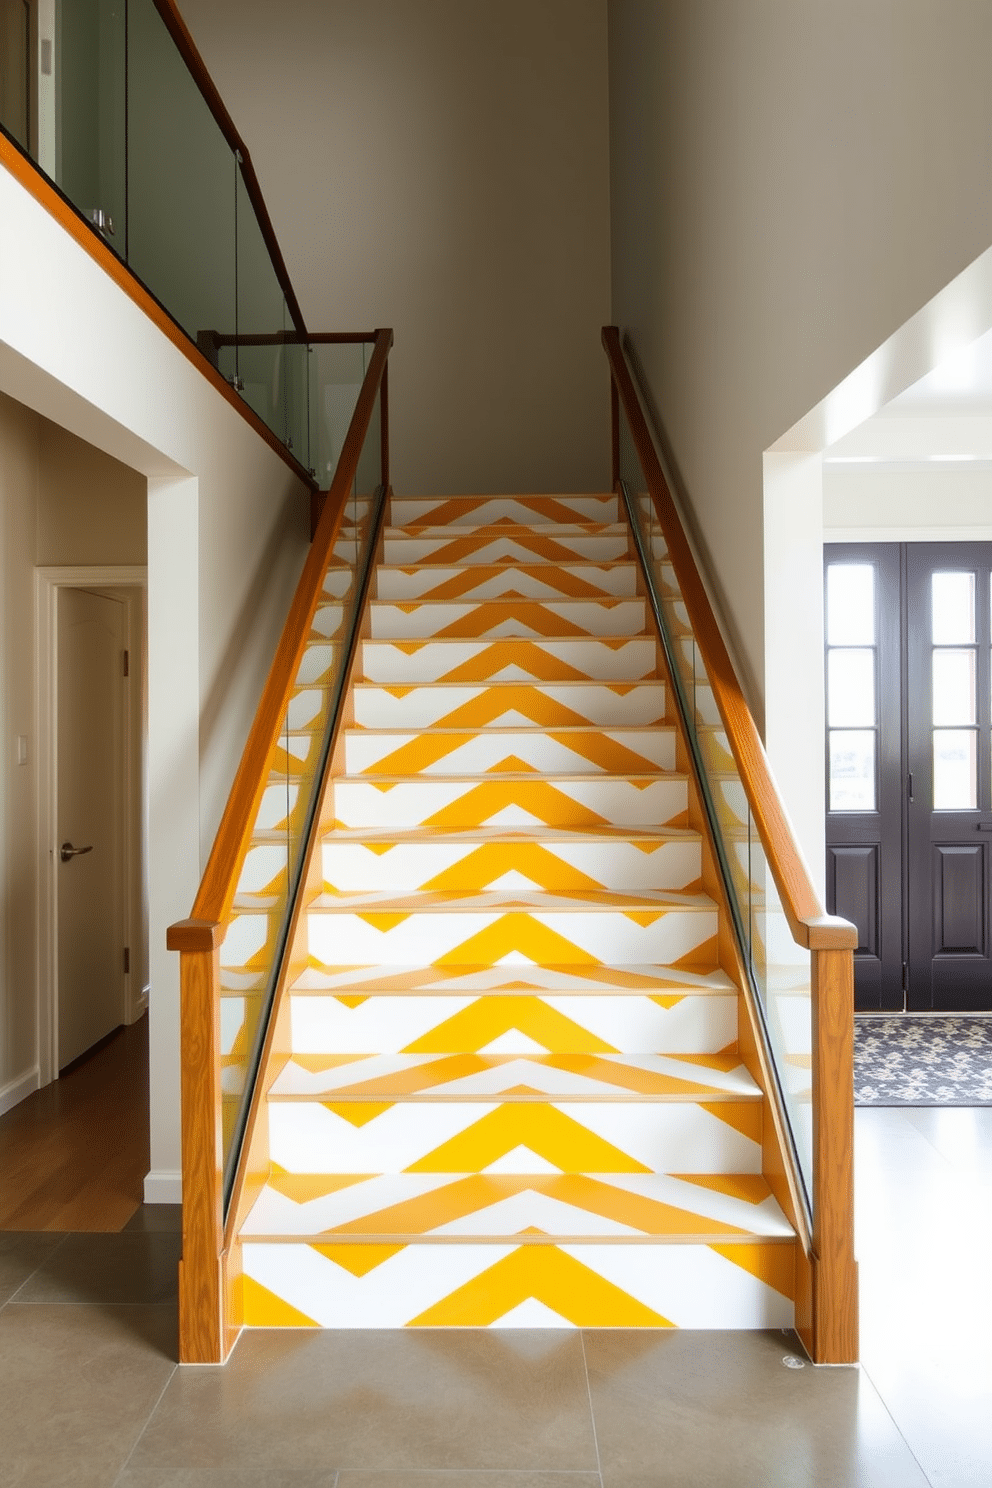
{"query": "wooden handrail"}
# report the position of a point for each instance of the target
(195, 66)
(212, 906)
(811, 926)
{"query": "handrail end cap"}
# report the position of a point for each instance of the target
(830, 933)
(194, 935)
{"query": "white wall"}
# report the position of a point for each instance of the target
(62, 502)
(791, 180)
(442, 167)
(946, 503)
(223, 511)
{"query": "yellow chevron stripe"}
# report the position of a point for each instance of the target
(263, 1309)
(515, 933)
(479, 869)
(554, 807)
(550, 1276)
(775, 1265)
(490, 1018)
(540, 1129)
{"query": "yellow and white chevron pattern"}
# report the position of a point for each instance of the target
(515, 1096)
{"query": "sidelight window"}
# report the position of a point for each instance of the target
(954, 692)
(852, 687)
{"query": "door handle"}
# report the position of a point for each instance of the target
(67, 851)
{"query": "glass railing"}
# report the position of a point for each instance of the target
(253, 949)
(114, 106)
(778, 968)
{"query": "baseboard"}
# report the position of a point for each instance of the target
(163, 1187)
(17, 1090)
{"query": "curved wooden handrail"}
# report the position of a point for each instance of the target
(195, 66)
(204, 930)
(811, 926)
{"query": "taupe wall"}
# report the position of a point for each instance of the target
(442, 167)
(791, 180)
(61, 502)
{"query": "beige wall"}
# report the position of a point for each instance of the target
(791, 180)
(61, 502)
(442, 167)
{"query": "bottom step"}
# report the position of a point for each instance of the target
(539, 1284)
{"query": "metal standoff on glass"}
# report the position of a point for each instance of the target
(102, 221)
(67, 851)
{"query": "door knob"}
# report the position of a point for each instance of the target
(67, 851)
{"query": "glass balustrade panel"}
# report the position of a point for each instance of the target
(181, 178)
(780, 969)
(253, 948)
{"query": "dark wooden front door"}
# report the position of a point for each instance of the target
(909, 769)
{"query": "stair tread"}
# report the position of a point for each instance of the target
(528, 901)
(522, 979)
(534, 1208)
(607, 832)
(505, 1077)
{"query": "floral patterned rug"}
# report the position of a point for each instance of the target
(931, 1061)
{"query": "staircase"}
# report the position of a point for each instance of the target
(514, 1095)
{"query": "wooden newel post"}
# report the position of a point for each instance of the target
(201, 1294)
(835, 1272)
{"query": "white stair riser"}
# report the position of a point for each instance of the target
(501, 618)
(619, 751)
(559, 1136)
(558, 802)
(404, 552)
(685, 1286)
(482, 707)
(614, 580)
(351, 867)
(476, 511)
(348, 939)
(543, 660)
(563, 1025)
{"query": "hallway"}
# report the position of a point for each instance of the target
(73, 1156)
(90, 1395)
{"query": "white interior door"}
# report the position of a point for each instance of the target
(88, 847)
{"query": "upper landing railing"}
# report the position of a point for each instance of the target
(116, 108)
(797, 960)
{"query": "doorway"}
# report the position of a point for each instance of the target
(909, 769)
(92, 949)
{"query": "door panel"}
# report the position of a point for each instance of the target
(948, 743)
(864, 772)
(89, 741)
(909, 780)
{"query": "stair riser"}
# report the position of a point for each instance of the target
(557, 803)
(495, 548)
(503, 618)
(480, 661)
(626, 868)
(586, 1286)
(482, 582)
(504, 705)
(476, 511)
(618, 752)
(562, 1025)
(467, 938)
(541, 1137)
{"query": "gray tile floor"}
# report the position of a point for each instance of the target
(90, 1394)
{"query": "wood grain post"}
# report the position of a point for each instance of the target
(835, 1272)
(202, 1336)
